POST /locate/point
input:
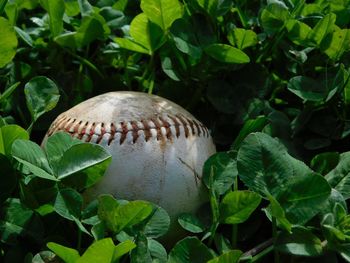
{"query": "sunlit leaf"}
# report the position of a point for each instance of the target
(162, 12)
(9, 134)
(78, 152)
(55, 9)
(33, 158)
(242, 38)
(119, 216)
(336, 43)
(273, 16)
(67, 254)
(146, 33)
(322, 28)
(298, 31)
(227, 54)
(131, 45)
(237, 206)
(100, 251)
(8, 42)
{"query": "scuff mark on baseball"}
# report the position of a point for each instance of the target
(158, 148)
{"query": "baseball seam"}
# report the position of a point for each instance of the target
(162, 128)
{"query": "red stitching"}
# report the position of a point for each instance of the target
(64, 123)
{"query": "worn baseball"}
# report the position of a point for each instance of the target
(158, 148)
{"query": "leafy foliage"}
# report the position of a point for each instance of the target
(269, 78)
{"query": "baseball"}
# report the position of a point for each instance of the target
(158, 148)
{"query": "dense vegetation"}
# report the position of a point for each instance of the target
(269, 78)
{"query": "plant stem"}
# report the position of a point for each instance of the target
(262, 254)
(242, 16)
(79, 239)
(259, 248)
(234, 236)
(234, 227)
(29, 129)
(85, 61)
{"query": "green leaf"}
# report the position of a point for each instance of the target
(2, 6)
(339, 177)
(339, 82)
(227, 54)
(185, 38)
(323, 163)
(33, 158)
(336, 43)
(304, 197)
(120, 5)
(68, 204)
(72, 8)
(277, 212)
(8, 134)
(191, 250)
(191, 223)
(231, 256)
(224, 169)
(68, 255)
(123, 248)
(131, 45)
(8, 178)
(132, 213)
(101, 251)
(44, 257)
(158, 224)
(242, 38)
(42, 96)
(273, 16)
(18, 222)
(55, 147)
(24, 36)
(210, 6)
(141, 254)
(157, 251)
(237, 206)
(8, 92)
(55, 10)
(162, 12)
(85, 7)
(119, 216)
(307, 88)
(146, 33)
(265, 167)
(250, 126)
(169, 67)
(301, 243)
(8, 42)
(322, 28)
(298, 32)
(11, 10)
(85, 155)
(91, 28)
